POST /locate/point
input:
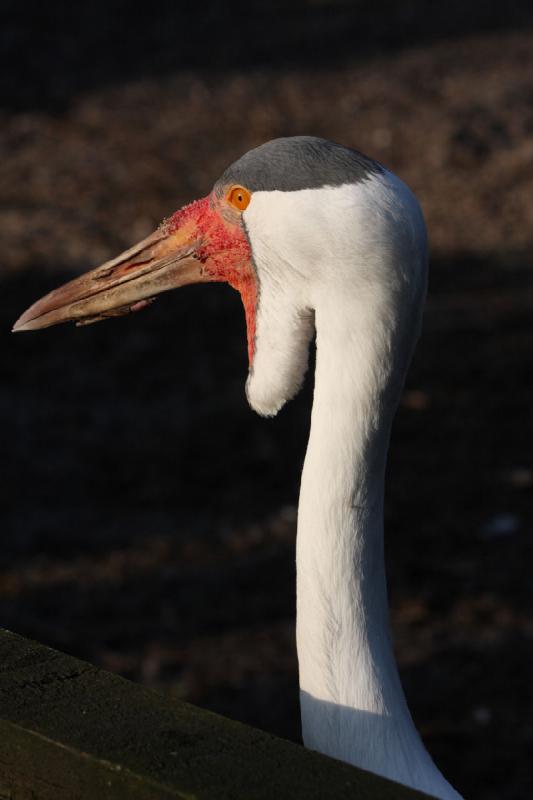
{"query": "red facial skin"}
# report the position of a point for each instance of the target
(216, 232)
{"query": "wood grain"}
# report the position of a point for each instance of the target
(70, 730)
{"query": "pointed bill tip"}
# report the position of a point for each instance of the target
(26, 322)
(19, 327)
(41, 314)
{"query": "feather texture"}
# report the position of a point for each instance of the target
(349, 261)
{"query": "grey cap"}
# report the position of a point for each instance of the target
(298, 162)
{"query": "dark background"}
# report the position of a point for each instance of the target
(148, 516)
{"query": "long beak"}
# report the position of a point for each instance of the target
(161, 262)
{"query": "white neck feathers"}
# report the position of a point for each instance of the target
(353, 706)
(355, 256)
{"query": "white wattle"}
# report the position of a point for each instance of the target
(356, 263)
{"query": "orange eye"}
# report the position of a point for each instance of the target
(239, 197)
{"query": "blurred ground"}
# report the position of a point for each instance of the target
(148, 515)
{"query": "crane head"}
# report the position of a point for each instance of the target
(295, 225)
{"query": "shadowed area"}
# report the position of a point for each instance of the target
(148, 516)
(92, 733)
(161, 523)
(84, 46)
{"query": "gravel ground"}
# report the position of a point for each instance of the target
(149, 516)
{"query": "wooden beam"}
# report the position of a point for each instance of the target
(70, 731)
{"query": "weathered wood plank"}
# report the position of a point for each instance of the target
(70, 731)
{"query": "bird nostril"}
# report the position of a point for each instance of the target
(127, 267)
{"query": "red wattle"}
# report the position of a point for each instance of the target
(222, 245)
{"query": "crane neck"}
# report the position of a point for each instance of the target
(353, 706)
